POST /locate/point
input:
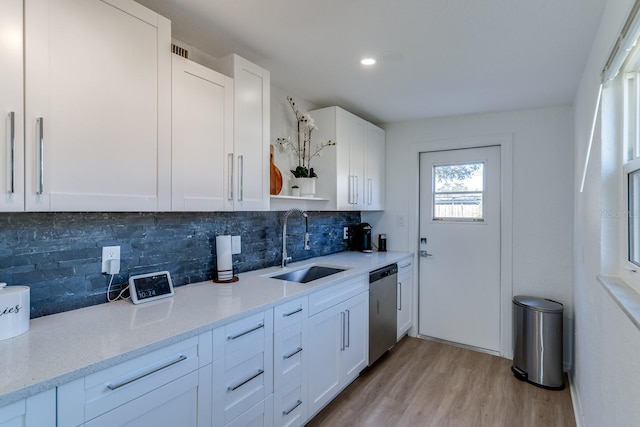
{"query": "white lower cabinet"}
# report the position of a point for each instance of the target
(338, 348)
(35, 411)
(243, 372)
(167, 387)
(405, 300)
(290, 349)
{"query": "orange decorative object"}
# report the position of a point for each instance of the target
(276, 177)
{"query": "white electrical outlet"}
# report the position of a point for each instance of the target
(345, 233)
(109, 253)
(236, 246)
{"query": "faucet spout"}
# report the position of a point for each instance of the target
(285, 217)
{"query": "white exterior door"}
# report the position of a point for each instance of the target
(459, 281)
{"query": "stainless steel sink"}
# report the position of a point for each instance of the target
(308, 274)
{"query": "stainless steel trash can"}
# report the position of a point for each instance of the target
(537, 354)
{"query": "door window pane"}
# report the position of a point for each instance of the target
(458, 192)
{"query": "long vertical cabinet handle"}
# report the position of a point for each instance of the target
(343, 322)
(370, 191)
(230, 187)
(350, 188)
(399, 296)
(348, 328)
(11, 142)
(40, 142)
(241, 177)
(357, 193)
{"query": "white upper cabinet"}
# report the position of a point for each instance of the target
(202, 129)
(11, 107)
(247, 158)
(374, 169)
(97, 106)
(351, 176)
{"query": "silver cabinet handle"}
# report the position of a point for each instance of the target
(241, 177)
(40, 142)
(292, 313)
(357, 193)
(114, 386)
(12, 150)
(399, 296)
(350, 188)
(290, 355)
(370, 191)
(343, 322)
(348, 328)
(241, 334)
(237, 386)
(405, 266)
(230, 187)
(298, 403)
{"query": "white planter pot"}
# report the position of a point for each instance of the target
(295, 192)
(307, 186)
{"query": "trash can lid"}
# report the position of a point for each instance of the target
(538, 304)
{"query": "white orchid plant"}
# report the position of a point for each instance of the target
(302, 147)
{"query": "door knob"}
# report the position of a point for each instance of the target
(425, 254)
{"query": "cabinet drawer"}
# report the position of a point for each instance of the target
(289, 354)
(240, 381)
(321, 300)
(174, 404)
(405, 265)
(290, 312)
(260, 415)
(250, 331)
(103, 391)
(290, 405)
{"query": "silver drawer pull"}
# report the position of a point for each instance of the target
(292, 313)
(298, 403)
(241, 334)
(289, 356)
(114, 386)
(237, 386)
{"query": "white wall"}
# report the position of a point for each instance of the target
(542, 187)
(606, 374)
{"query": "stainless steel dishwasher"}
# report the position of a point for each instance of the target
(383, 315)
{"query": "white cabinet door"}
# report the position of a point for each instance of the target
(34, 411)
(405, 300)
(11, 107)
(202, 125)
(356, 353)
(98, 112)
(374, 169)
(357, 141)
(325, 346)
(247, 158)
(338, 349)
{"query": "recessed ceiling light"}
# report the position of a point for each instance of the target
(368, 61)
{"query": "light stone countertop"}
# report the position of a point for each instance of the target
(62, 347)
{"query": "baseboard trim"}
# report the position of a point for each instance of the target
(577, 403)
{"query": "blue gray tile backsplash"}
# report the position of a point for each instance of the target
(59, 254)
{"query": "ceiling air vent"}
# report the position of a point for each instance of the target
(180, 51)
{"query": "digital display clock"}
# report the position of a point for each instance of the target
(150, 287)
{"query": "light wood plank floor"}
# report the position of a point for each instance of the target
(428, 383)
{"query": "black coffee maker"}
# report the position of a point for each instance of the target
(360, 237)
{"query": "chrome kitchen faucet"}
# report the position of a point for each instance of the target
(285, 216)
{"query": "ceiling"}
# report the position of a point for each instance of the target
(435, 57)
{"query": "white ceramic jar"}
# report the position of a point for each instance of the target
(15, 309)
